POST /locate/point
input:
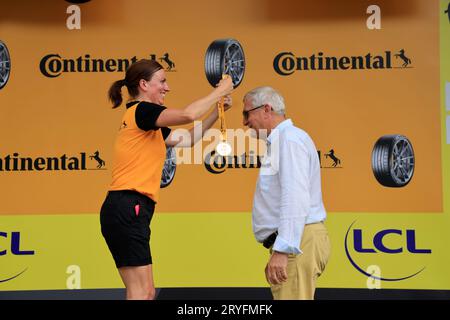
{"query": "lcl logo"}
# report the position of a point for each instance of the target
(12, 246)
(410, 236)
(15, 245)
(406, 243)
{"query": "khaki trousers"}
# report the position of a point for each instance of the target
(304, 269)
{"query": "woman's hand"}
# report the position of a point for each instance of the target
(225, 86)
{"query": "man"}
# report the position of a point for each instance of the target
(288, 211)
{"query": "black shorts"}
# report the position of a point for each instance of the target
(125, 222)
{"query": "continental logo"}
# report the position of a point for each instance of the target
(53, 65)
(329, 159)
(82, 161)
(286, 63)
(216, 164)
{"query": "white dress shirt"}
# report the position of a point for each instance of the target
(288, 191)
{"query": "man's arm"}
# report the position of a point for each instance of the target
(295, 196)
(191, 137)
(293, 173)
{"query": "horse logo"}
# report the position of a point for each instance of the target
(96, 157)
(406, 60)
(335, 159)
(169, 62)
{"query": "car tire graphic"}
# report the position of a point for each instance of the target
(5, 64)
(393, 161)
(170, 167)
(224, 56)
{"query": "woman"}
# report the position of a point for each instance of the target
(139, 155)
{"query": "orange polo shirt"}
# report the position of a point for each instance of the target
(139, 151)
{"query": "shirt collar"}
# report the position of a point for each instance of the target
(280, 127)
(131, 103)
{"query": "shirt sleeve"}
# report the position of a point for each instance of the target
(294, 179)
(146, 115)
(165, 132)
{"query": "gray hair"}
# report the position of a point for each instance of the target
(266, 95)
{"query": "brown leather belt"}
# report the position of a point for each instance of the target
(270, 240)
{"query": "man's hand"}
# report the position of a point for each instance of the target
(276, 268)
